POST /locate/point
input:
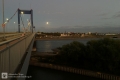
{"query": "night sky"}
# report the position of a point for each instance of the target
(66, 15)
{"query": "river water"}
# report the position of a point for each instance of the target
(39, 73)
(47, 45)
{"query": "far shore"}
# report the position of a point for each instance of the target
(69, 38)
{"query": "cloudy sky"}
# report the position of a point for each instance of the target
(66, 15)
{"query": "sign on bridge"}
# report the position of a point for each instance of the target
(3, 25)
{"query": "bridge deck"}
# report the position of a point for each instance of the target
(12, 39)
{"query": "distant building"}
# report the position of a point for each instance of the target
(89, 32)
(110, 34)
(64, 34)
(38, 33)
(82, 35)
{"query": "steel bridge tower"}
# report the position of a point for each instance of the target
(25, 12)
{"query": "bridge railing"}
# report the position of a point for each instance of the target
(77, 71)
(12, 51)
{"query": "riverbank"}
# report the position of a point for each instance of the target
(75, 70)
(63, 38)
(72, 38)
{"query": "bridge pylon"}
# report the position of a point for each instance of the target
(25, 12)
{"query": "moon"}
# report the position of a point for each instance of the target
(47, 22)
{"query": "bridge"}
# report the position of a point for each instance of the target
(16, 47)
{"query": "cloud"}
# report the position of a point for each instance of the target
(106, 18)
(50, 12)
(117, 15)
(103, 14)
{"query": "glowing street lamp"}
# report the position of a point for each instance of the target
(6, 23)
(22, 12)
(3, 20)
(7, 19)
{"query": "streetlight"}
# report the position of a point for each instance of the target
(14, 25)
(3, 21)
(22, 12)
(7, 19)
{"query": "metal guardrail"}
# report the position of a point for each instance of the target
(7, 35)
(11, 55)
(8, 41)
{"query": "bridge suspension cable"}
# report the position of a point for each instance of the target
(12, 16)
(28, 26)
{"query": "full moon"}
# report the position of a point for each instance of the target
(46, 22)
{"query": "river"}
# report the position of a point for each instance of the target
(47, 45)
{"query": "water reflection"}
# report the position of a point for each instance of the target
(47, 45)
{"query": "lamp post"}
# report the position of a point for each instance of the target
(3, 21)
(5, 25)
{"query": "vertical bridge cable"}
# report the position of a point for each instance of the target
(22, 23)
(29, 25)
